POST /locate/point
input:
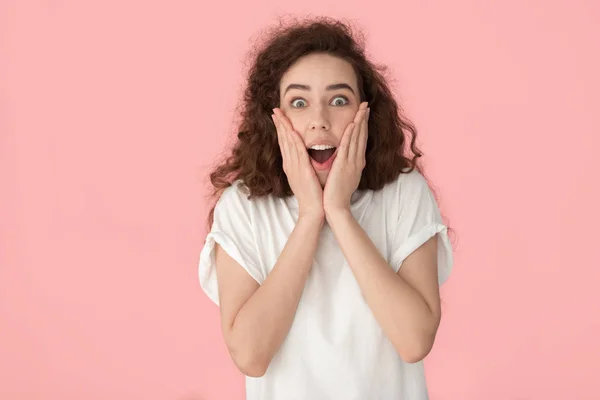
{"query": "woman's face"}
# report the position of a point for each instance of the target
(319, 95)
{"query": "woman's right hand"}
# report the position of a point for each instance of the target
(298, 169)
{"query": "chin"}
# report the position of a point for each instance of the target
(322, 178)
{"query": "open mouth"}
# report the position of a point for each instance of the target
(321, 156)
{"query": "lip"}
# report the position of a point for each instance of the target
(321, 142)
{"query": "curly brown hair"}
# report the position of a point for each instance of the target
(256, 158)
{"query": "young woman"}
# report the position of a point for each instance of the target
(326, 246)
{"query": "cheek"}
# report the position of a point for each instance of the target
(298, 122)
(342, 123)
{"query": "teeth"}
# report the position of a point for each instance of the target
(322, 147)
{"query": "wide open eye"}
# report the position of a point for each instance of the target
(338, 103)
(295, 103)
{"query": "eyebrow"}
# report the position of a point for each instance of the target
(335, 86)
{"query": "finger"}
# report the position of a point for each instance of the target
(276, 123)
(298, 146)
(362, 142)
(283, 143)
(357, 119)
(284, 120)
(362, 108)
(285, 124)
(280, 138)
(356, 135)
(342, 151)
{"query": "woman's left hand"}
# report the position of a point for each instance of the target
(350, 160)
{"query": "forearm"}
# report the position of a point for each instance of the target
(402, 312)
(264, 321)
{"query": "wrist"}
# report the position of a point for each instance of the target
(315, 218)
(335, 213)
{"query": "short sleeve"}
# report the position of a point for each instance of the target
(418, 220)
(232, 230)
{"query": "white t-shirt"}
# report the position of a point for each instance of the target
(335, 349)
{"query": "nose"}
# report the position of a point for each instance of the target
(319, 120)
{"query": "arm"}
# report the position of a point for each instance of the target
(256, 319)
(407, 304)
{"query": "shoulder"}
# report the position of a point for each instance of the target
(413, 179)
(235, 196)
(233, 203)
(237, 199)
(411, 196)
(409, 184)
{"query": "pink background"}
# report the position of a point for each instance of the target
(111, 112)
